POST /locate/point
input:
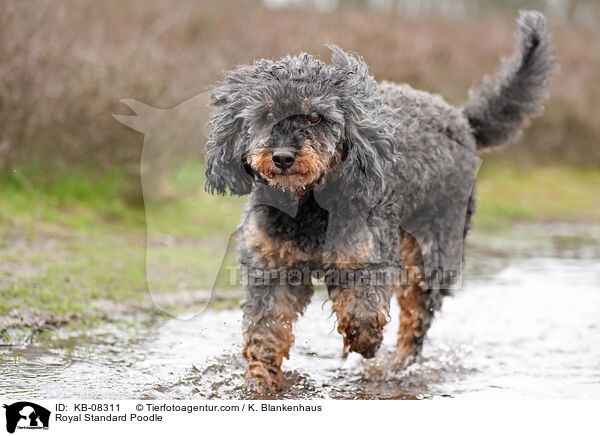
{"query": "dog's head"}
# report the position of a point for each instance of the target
(298, 123)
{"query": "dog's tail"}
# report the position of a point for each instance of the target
(499, 107)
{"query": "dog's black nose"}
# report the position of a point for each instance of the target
(283, 159)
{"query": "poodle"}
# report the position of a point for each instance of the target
(366, 187)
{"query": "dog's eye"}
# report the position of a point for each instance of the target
(270, 117)
(314, 118)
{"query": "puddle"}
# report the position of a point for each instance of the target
(525, 325)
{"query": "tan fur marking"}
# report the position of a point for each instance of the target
(274, 253)
(342, 307)
(268, 341)
(409, 294)
(308, 167)
(265, 351)
(359, 329)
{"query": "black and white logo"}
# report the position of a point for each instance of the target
(26, 415)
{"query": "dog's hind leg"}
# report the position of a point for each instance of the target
(269, 313)
(417, 303)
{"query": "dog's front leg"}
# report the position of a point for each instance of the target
(362, 311)
(270, 310)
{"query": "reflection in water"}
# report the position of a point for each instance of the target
(526, 324)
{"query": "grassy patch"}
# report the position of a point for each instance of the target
(72, 240)
(507, 192)
(94, 202)
(83, 201)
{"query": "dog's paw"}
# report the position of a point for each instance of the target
(364, 343)
(258, 386)
(261, 380)
(362, 335)
(262, 387)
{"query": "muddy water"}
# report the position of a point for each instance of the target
(525, 325)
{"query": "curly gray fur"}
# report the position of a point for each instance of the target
(498, 108)
(346, 92)
(389, 159)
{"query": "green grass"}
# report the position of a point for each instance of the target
(507, 192)
(92, 202)
(77, 200)
(73, 239)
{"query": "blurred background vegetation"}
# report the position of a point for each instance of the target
(70, 172)
(65, 65)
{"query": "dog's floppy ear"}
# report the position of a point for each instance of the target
(224, 150)
(368, 129)
(362, 168)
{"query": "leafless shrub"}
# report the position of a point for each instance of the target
(65, 65)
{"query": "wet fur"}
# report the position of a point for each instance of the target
(375, 188)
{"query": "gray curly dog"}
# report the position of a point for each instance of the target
(367, 186)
